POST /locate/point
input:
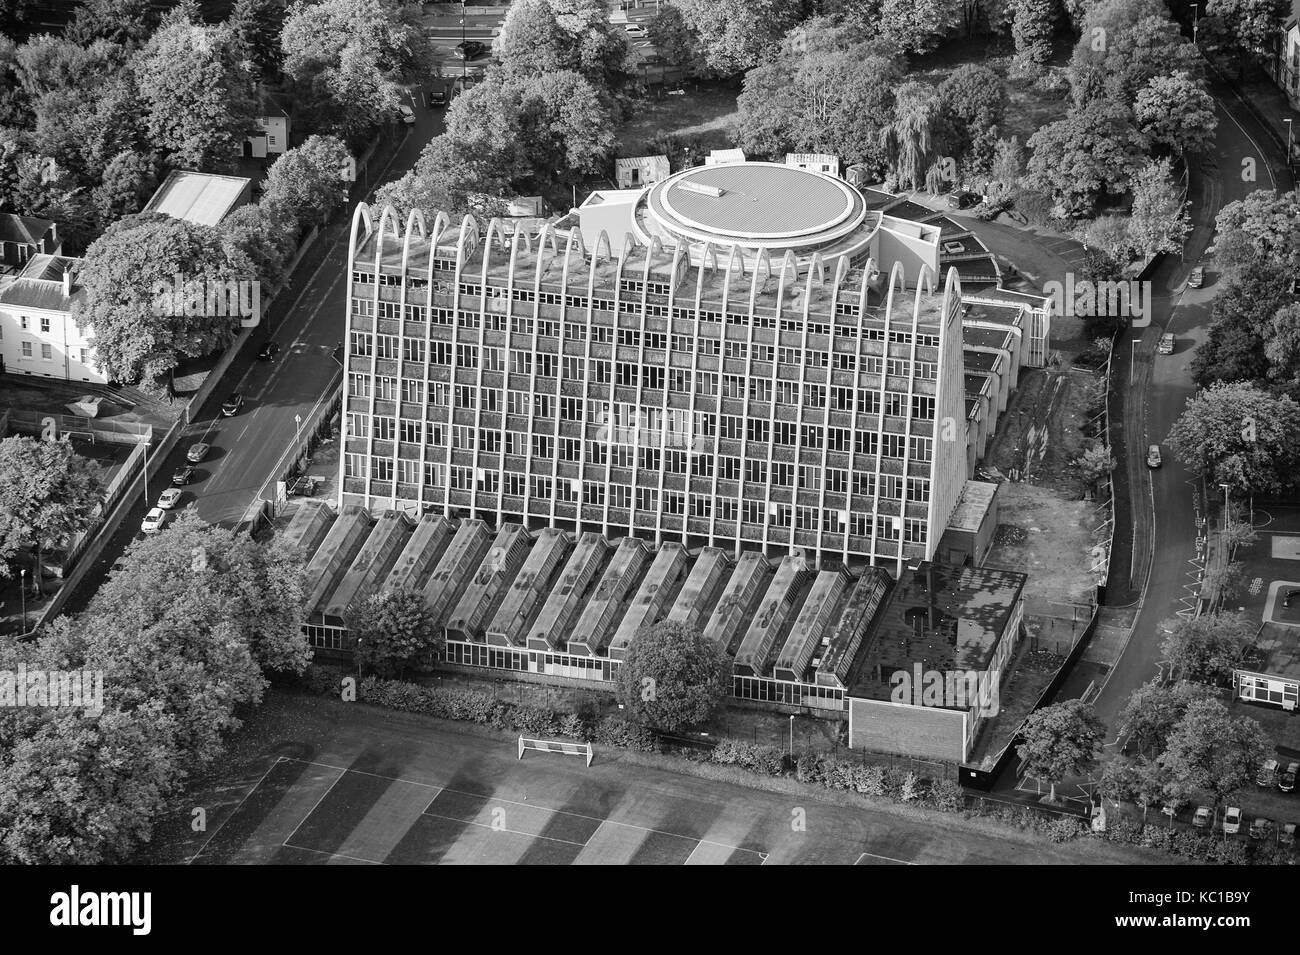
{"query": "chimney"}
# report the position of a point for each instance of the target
(67, 282)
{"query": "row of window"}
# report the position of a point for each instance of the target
(522, 324)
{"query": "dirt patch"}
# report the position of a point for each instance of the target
(1051, 541)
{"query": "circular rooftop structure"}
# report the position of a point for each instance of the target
(757, 205)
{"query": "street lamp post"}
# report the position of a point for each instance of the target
(23, 595)
(1225, 507)
(1196, 20)
(464, 62)
(792, 736)
(1289, 140)
(297, 429)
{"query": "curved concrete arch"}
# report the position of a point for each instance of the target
(415, 219)
(602, 243)
(360, 217)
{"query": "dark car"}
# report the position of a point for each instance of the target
(961, 200)
(1289, 596)
(183, 475)
(469, 50)
(269, 351)
(437, 98)
(232, 405)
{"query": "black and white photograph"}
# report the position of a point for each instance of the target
(651, 432)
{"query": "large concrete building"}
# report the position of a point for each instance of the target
(743, 355)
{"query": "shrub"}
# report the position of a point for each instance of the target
(837, 773)
(910, 787)
(869, 780)
(946, 795)
(808, 769)
(612, 731)
(1064, 828)
(766, 760)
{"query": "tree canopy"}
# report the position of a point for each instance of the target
(1059, 740)
(672, 676)
(1237, 434)
(48, 493)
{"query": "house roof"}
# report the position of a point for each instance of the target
(28, 230)
(197, 197)
(40, 285)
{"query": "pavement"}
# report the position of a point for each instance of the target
(246, 447)
(348, 784)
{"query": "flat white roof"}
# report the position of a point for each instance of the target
(197, 197)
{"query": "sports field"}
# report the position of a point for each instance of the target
(347, 784)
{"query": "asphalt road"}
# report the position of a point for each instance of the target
(247, 446)
(1160, 386)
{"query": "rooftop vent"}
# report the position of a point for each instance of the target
(712, 192)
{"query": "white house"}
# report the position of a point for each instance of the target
(272, 136)
(37, 334)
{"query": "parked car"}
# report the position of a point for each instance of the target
(469, 50)
(1169, 809)
(1286, 782)
(1097, 817)
(169, 498)
(197, 452)
(1202, 817)
(1261, 828)
(437, 98)
(408, 114)
(635, 30)
(233, 405)
(1289, 596)
(1267, 774)
(1197, 278)
(1287, 835)
(183, 475)
(1232, 820)
(1153, 456)
(269, 351)
(154, 520)
(962, 200)
(1166, 346)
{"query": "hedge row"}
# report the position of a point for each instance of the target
(475, 706)
(1211, 848)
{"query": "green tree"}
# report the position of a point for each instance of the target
(675, 42)
(395, 632)
(1240, 319)
(198, 97)
(257, 25)
(1032, 25)
(918, 26)
(1159, 221)
(1094, 151)
(256, 590)
(539, 37)
(736, 35)
(1205, 649)
(448, 177)
(48, 493)
(1060, 739)
(820, 98)
(138, 333)
(911, 140)
(1094, 464)
(1110, 235)
(672, 677)
(120, 21)
(1124, 46)
(1152, 712)
(1141, 781)
(1263, 226)
(1176, 112)
(128, 181)
(305, 184)
(1252, 25)
(1212, 751)
(974, 99)
(1237, 434)
(254, 236)
(346, 60)
(1282, 349)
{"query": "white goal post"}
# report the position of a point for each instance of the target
(556, 746)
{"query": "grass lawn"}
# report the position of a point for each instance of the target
(706, 111)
